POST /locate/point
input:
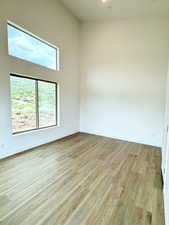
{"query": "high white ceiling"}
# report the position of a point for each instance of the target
(117, 9)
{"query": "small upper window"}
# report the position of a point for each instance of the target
(25, 46)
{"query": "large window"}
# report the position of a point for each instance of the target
(34, 103)
(25, 46)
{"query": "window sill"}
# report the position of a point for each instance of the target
(34, 130)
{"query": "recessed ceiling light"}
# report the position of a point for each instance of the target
(104, 1)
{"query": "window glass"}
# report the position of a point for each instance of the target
(34, 104)
(27, 47)
(47, 103)
(23, 104)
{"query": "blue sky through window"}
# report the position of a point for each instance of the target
(24, 46)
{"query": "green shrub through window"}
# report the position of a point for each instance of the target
(34, 103)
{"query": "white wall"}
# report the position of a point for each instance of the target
(50, 21)
(123, 68)
(166, 187)
(165, 155)
(123, 75)
(165, 147)
(166, 193)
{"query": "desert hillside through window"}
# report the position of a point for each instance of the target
(33, 104)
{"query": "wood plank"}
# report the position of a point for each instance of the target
(83, 180)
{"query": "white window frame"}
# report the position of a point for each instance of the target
(39, 39)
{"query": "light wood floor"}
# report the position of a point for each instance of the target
(82, 180)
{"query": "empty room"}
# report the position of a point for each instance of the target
(84, 112)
